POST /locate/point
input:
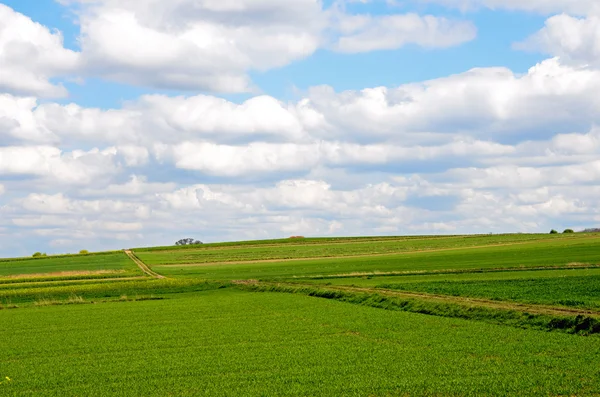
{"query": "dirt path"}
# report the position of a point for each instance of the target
(464, 301)
(142, 265)
(374, 255)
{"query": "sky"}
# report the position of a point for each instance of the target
(140, 122)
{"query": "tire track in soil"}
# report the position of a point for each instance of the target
(143, 267)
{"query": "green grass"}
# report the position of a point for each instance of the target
(582, 291)
(557, 252)
(292, 241)
(115, 261)
(234, 343)
(342, 247)
(506, 274)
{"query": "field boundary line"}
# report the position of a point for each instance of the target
(459, 300)
(423, 251)
(143, 267)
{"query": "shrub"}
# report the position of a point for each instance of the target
(188, 241)
(39, 254)
(84, 252)
(568, 231)
(553, 231)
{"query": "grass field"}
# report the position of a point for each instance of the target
(416, 316)
(300, 249)
(558, 252)
(235, 343)
(49, 266)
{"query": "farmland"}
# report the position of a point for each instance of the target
(439, 315)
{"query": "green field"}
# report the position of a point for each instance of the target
(237, 343)
(558, 252)
(298, 249)
(116, 262)
(409, 316)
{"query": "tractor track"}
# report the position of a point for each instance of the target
(142, 265)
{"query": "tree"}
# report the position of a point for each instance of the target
(39, 254)
(188, 241)
(84, 252)
(553, 231)
(568, 231)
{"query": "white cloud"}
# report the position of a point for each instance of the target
(366, 33)
(576, 7)
(30, 55)
(198, 45)
(76, 167)
(482, 101)
(572, 39)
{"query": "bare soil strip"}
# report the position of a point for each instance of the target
(464, 301)
(142, 265)
(422, 251)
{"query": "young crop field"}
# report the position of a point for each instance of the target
(417, 316)
(558, 252)
(113, 264)
(228, 342)
(581, 291)
(204, 254)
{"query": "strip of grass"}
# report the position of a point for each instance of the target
(203, 255)
(228, 343)
(53, 264)
(557, 252)
(107, 289)
(582, 291)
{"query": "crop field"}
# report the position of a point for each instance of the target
(112, 264)
(235, 343)
(298, 249)
(491, 315)
(532, 254)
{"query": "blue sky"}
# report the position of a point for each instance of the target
(127, 124)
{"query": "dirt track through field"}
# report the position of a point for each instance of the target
(464, 301)
(423, 251)
(142, 265)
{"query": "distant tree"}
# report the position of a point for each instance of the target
(568, 231)
(592, 230)
(188, 241)
(39, 254)
(553, 231)
(84, 252)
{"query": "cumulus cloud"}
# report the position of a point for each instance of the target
(213, 45)
(77, 167)
(367, 33)
(31, 55)
(577, 7)
(196, 45)
(481, 101)
(572, 39)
